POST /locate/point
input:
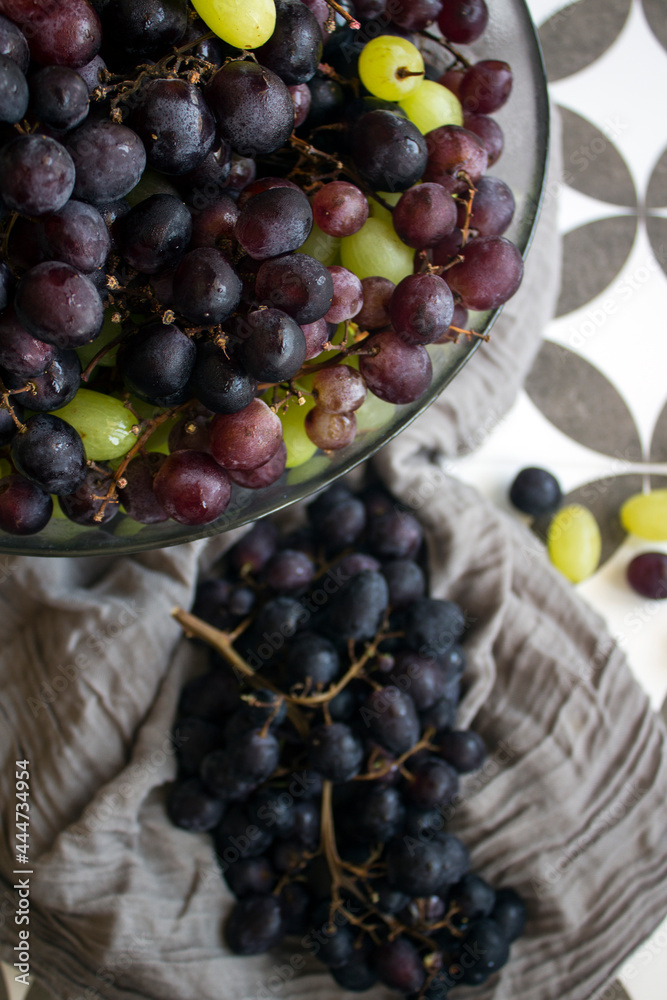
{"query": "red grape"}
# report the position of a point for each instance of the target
(192, 488)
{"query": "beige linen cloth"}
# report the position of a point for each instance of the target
(570, 808)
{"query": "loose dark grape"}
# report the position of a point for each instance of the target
(465, 750)
(536, 492)
(433, 783)
(340, 208)
(76, 235)
(392, 720)
(189, 434)
(255, 925)
(155, 233)
(425, 869)
(298, 285)
(489, 131)
(13, 44)
(442, 715)
(145, 27)
(264, 184)
(36, 175)
(288, 570)
(59, 97)
(192, 488)
(50, 453)
(294, 50)
(252, 107)
(157, 362)
(493, 207)
(474, 897)
(509, 912)
(255, 755)
(335, 752)
(14, 95)
(389, 152)
(399, 966)
(433, 626)
(220, 384)
(236, 837)
(422, 676)
(379, 814)
(137, 496)
(484, 938)
(25, 508)
(175, 125)
(191, 806)
(274, 222)
(109, 160)
(340, 525)
(357, 610)
(326, 101)
(213, 223)
(647, 575)
(395, 534)
(251, 877)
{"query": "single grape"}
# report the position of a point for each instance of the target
(489, 131)
(335, 940)
(205, 184)
(339, 390)
(251, 876)
(421, 308)
(254, 550)
(425, 215)
(297, 284)
(192, 807)
(487, 940)
(335, 752)
(294, 50)
(213, 224)
(36, 175)
(65, 34)
(144, 27)
(463, 22)
(377, 251)
(155, 233)
(87, 504)
(442, 715)
(109, 160)
(428, 868)
(252, 107)
(406, 583)
(288, 570)
(489, 275)
(645, 515)
(8, 427)
(574, 542)
(76, 235)
(432, 105)
(424, 678)
(13, 44)
(647, 575)
(50, 453)
(399, 966)
(92, 73)
(274, 222)
(25, 508)
(433, 783)
(243, 29)
(103, 423)
(54, 388)
(330, 431)
(374, 314)
(348, 295)
(58, 304)
(137, 496)
(157, 362)
(492, 209)
(247, 439)
(206, 288)
(59, 97)
(301, 100)
(395, 534)
(256, 923)
(312, 657)
(391, 718)
(454, 157)
(316, 335)
(391, 67)
(20, 352)
(433, 626)
(398, 372)
(340, 208)
(174, 123)
(263, 475)
(192, 488)
(509, 912)
(390, 152)
(536, 492)
(486, 86)
(220, 384)
(327, 101)
(14, 94)
(273, 347)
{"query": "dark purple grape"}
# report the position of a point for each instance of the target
(391, 718)
(58, 304)
(340, 525)
(273, 347)
(247, 439)
(243, 170)
(427, 868)
(109, 159)
(220, 384)
(377, 294)
(272, 810)
(65, 34)
(206, 288)
(422, 823)
(357, 610)
(474, 898)
(421, 308)
(155, 233)
(463, 22)
(205, 184)
(218, 773)
(175, 125)
(306, 829)
(398, 372)
(144, 27)
(357, 975)
(191, 806)
(311, 657)
(274, 222)
(423, 677)
(53, 389)
(454, 154)
(317, 334)
(406, 583)
(424, 215)
(433, 626)
(255, 925)
(50, 453)
(334, 938)
(8, 428)
(297, 284)
(189, 434)
(486, 86)
(434, 783)
(647, 575)
(536, 491)
(59, 97)
(489, 275)
(156, 363)
(92, 73)
(192, 488)
(264, 184)
(211, 696)
(288, 570)
(87, 505)
(76, 235)
(252, 107)
(492, 208)
(465, 750)
(251, 877)
(485, 939)
(340, 208)
(509, 912)
(327, 100)
(330, 431)
(213, 224)
(193, 740)
(335, 752)
(263, 475)
(13, 44)
(137, 497)
(395, 535)
(236, 837)
(256, 547)
(348, 295)
(379, 814)
(6, 285)
(295, 47)
(399, 966)
(36, 175)
(14, 94)
(25, 508)
(210, 49)
(255, 755)
(489, 131)
(20, 352)
(389, 152)
(442, 715)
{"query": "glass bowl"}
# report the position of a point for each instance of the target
(525, 121)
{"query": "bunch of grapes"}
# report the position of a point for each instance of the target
(221, 250)
(321, 752)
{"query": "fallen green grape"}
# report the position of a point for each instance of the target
(105, 425)
(574, 542)
(645, 515)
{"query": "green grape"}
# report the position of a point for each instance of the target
(309, 471)
(245, 24)
(645, 515)
(378, 211)
(373, 413)
(110, 331)
(299, 446)
(5, 468)
(322, 247)
(105, 425)
(377, 250)
(432, 105)
(390, 67)
(574, 542)
(151, 183)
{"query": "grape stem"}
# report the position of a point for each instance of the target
(424, 744)
(343, 13)
(5, 393)
(88, 371)
(472, 191)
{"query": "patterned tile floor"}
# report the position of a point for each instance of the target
(595, 406)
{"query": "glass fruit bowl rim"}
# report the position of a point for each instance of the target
(251, 505)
